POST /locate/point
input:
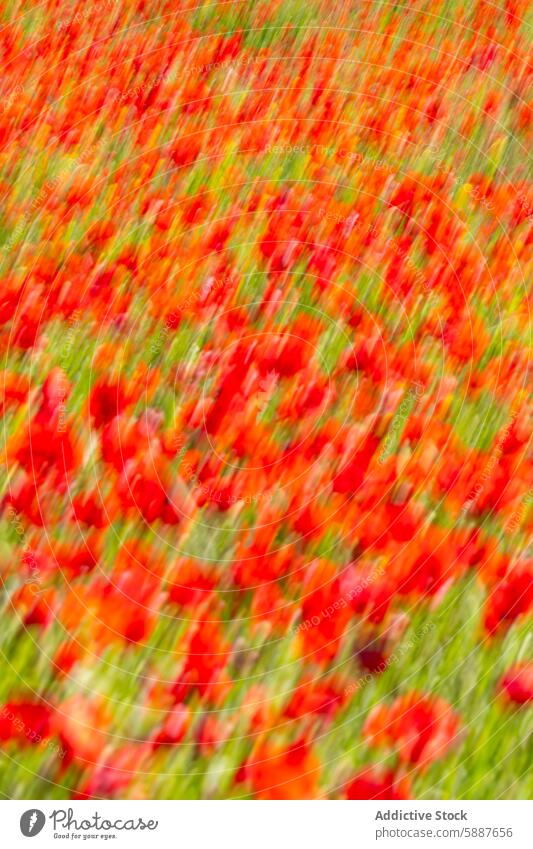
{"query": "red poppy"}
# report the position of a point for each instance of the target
(282, 773)
(323, 698)
(27, 722)
(517, 684)
(510, 598)
(174, 727)
(353, 473)
(110, 778)
(190, 582)
(203, 669)
(107, 400)
(89, 509)
(14, 390)
(381, 785)
(419, 727)
(212, 733)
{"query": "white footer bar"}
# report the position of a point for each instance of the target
(268, 825)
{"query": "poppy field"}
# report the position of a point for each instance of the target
(266, 473)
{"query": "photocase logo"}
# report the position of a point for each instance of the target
(32, 822)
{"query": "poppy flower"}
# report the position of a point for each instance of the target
(212, 733)
(282, 773)
(24, 498)
(107, 400)
(325, 613)
(323, 698)
(256, 565)
(510, 598)
(517, 684)
(14, 390)
(89, 509)
(26, 722)
(375, 784)
(113, 774)
(82, 725)
(174, 727)
(419, 727)
(44, 450)
(190, 583)
(204, 666)
(120, 441)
